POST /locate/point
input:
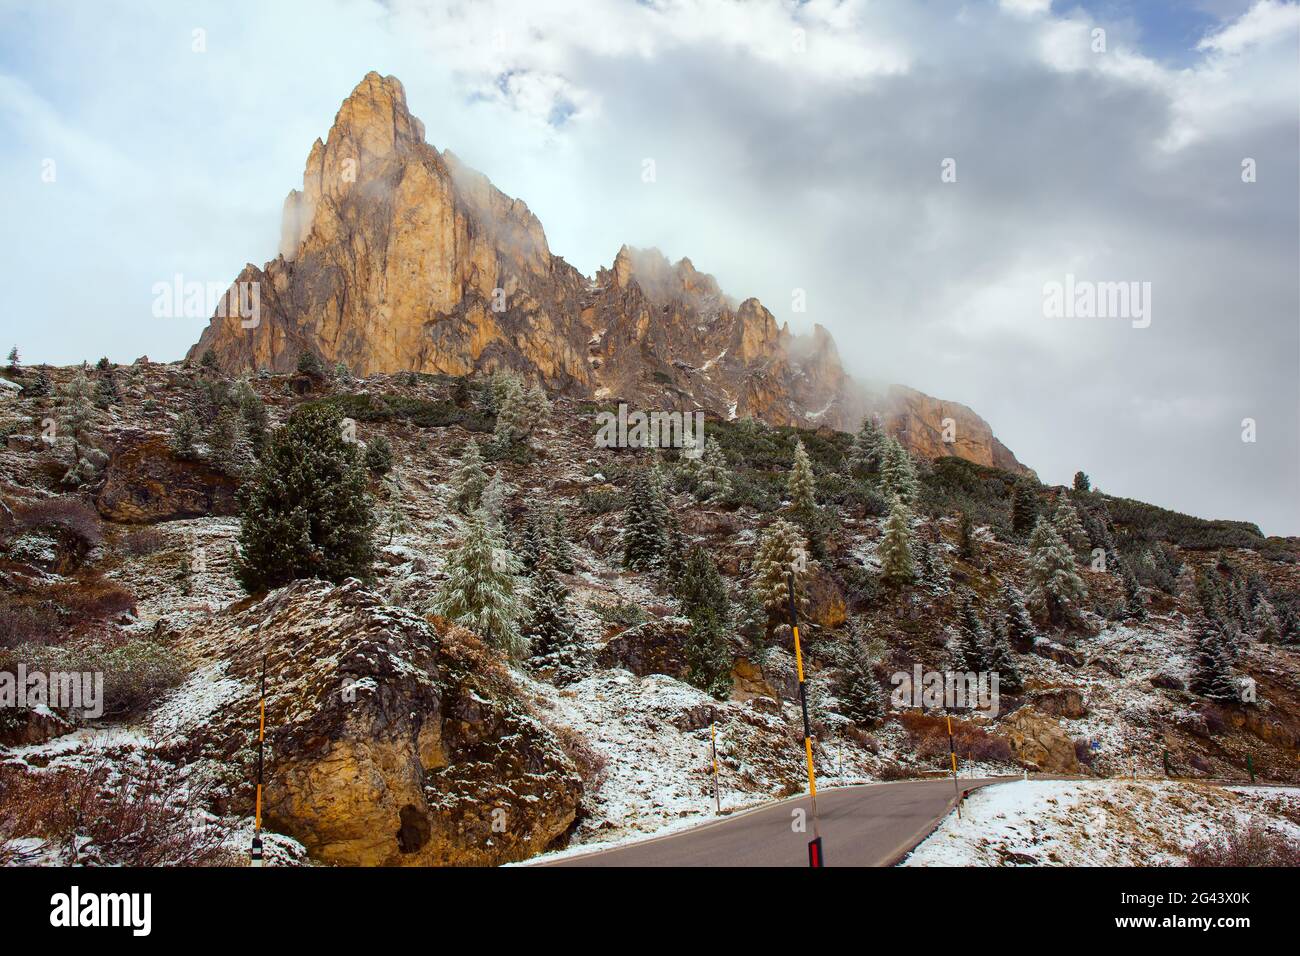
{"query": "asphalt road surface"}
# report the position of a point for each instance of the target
(871, 825)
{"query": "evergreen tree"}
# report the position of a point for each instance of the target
(469, 479)
(41, 388)
(1212, 671)
(1057, 590)
(222, 435)
(896, 546)
(532, 537)
(1000, 661)
(1266, 625)
(713, 480)
(379, 455)
(479, 592)
(493, 502)
(865, 454)
(256, 424)
(967, 546)
(305, 511)
(781, 549)
(550, 633)
(704, 600)
(644, 523)
(971, 652)
(1019, 628)
(672, 560)
(208, 361)
(342, 373)
(801, 486)
(859, 692)
(309, 363)
(561, 550)
(1068, 526)
(184, 432)
(77, 408)
(394, 518)
(1133, 604)
(1082, 482)
(1024, 507)
(521, 414)
(15, 363)
(898, 471)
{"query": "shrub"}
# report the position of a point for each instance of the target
(69, 515)
(929, 737)
(27, 623)
(1245, 845)
(144, 542)
(136, 672)
(621, 614)
(111, 814)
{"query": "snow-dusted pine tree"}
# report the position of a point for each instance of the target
(305, 509)
(1056, 589)
(967, 546)
(184, 432)
(469, 479)
(864, 455)
(801, 488)
(1024, 507)
(713, 479)
(644, 523)
(550, 633)
(859, 691)
(1019, 628)
(1068, 526)
(1134, 606)
(971, 650)
(999, 660)
(521, 414)
(704, 600)
(479, 592)
(896, 545)
(493, 501)
(781, 548)
(898, 471)
(1265, 622)
(1212, 670)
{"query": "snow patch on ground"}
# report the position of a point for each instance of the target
(1098, 822)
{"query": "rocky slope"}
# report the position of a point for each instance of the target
(395, 256)
(394, 738)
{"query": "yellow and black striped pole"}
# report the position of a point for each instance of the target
(815, 856)
(713, 744)
(256, 854)
(952, 753)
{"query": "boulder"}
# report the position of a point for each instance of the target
(826, 607)
(144, 483)
(390, 740)
(655, 647)
(1060, 702)
(1040, 742)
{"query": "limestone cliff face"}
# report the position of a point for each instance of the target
(395, 256)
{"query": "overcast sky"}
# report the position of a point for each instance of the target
(795, 146)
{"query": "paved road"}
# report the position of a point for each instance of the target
(872, 825)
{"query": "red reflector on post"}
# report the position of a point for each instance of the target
(815, 853)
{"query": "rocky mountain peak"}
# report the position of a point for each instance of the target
(395, 256)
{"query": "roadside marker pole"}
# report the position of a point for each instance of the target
(713, 743)
(256, 855)
(815, 857)
(952, 753)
